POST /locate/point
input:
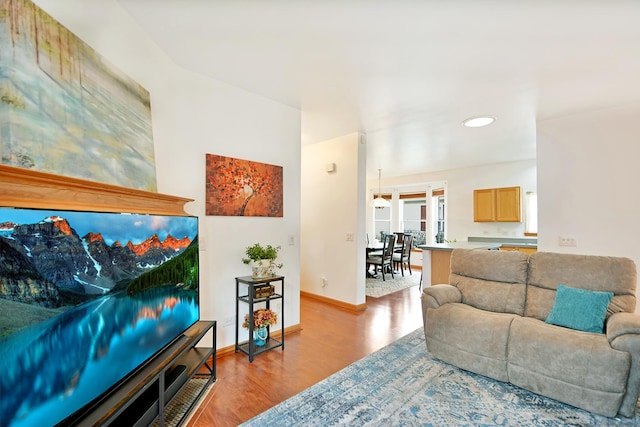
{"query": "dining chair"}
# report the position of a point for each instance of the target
(385, 259)
(400, 241)
(400, 258)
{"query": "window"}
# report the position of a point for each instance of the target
(414, 217)
(381, 222)
(438, 203)
(531, 214)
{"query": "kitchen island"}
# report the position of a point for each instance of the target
(436, 259)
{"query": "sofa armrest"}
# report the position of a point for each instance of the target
(623, 333)
(622, 324)
(435, 296)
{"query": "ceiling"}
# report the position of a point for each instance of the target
(407, 73)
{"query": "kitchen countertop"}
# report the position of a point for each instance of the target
(516, 242)
(460, 245)
(520, 245)
(483, 243)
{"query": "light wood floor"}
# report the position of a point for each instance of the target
(331, 339)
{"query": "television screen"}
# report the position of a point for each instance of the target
(86, 298)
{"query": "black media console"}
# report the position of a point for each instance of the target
(181, 371)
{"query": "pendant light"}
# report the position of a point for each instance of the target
(379, 202)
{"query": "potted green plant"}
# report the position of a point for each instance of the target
(262, 259)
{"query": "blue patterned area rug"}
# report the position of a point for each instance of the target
(402, 385)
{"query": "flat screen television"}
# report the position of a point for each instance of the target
(86, 299)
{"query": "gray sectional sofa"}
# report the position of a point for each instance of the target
(491, 319)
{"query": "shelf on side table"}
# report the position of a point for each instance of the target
(270, 344)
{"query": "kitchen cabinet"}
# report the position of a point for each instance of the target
(496, 205)
(484, 205)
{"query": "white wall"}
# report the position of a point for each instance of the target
(191, 116)
(588, 180)
(459, 184)
(332, 207)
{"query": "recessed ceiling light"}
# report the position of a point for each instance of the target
(476, 122)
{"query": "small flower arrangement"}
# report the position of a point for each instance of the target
(262, 318)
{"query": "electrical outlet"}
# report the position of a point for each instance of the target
(325, 282)
(567, 241)
(292, 240)
(349, 237)
(228, 322)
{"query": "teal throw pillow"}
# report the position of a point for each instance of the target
(579, 309)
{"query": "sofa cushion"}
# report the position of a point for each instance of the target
(490, 280)
(472, 339)
(579, 368)
(579, 309)
(596, 273)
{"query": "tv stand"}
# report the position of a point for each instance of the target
(148, 393)
(182, 370)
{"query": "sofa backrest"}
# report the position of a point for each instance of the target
(547, 270)
(490, 280)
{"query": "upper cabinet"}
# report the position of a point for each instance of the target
(496, 205)
(508, 204)
(484, 205)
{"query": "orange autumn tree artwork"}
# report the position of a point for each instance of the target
(237, 187)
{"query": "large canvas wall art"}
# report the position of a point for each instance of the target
(65, 109)
(237, 187)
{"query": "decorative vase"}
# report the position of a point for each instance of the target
(261, 269)
(260, 336)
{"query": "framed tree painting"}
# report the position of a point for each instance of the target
(237, 187)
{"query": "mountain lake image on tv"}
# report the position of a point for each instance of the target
(86, 299)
